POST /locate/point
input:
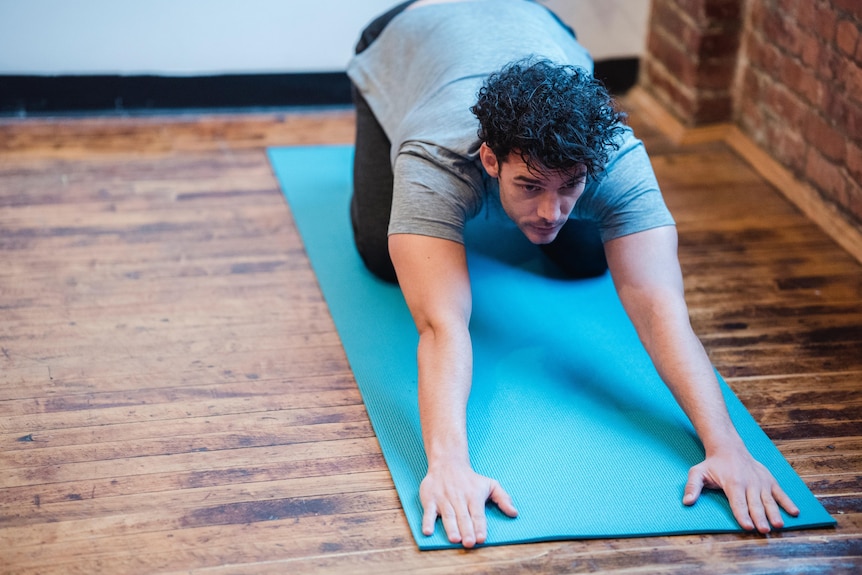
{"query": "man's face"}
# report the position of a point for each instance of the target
(539, 202)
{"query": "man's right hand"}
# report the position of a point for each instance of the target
(457, 494)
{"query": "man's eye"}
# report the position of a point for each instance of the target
(573, 186)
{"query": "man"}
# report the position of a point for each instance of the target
(471, 105)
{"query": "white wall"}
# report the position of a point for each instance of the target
(607, 28)
(204, 37)
(170, 37)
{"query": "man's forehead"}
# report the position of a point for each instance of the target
(533, 169)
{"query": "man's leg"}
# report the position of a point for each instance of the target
(372, 171)
(578, 250)
(372, 192)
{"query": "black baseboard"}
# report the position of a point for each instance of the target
(49, 95)
(24, 96)
(619, 75)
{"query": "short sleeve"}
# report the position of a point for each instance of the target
(625, 199)
(434, 196)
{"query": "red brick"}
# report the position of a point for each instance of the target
(711, 41)
(801, 80)
(756, 15)
(825, 21)
(823, 136)
(847, 114)
(811, 46)
(806, 14)
(669, 90)
(788, 6)
(846, 37)
(779, 30)
(751, 119)
(673, 57)
(854, 161)
(716, 75)
(751, 86)
(695, 9)
(667, 17)
(721, 43)
(852, 74)
(829, 65)
(762, 55)
(854, 204)
(853, 119)
(785, 105)
(711, 108)
(712, 12)
(826, 177)
(669, 13)
(724, 11)
(786, 145)
(852, 8)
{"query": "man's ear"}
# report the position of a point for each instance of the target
(489, 160)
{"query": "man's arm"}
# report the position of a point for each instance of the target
(433, 276)
(648, 279)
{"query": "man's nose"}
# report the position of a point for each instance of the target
(549, 208)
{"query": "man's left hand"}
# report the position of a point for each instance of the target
(752, 491)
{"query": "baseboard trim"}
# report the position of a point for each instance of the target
(826, 215)
(27, 96)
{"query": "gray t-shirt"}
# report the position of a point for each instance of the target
(421, 76)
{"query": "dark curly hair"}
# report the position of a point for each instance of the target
(555, 117)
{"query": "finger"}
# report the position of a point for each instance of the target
(739, 506)
(465, 526)
(784, 500)
(480, 525)
(450, 524)
(772, 511)
(502, 499)
(694, 486)
(429, 518)
(756, 511)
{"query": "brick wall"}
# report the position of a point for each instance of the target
(788, 72)
(692, 48)
(799, 91)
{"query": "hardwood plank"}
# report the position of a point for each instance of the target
(248, 396)
(251, 435)
(196, 460)
(76, 138)
(217, 505)
(18, 499)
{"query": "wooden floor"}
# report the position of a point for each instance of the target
(174, 397)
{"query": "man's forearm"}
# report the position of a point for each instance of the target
(445, 371)
(648, 278)
(685, 368)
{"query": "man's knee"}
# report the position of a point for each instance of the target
(372, 243)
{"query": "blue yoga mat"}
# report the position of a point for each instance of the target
(566, 410)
